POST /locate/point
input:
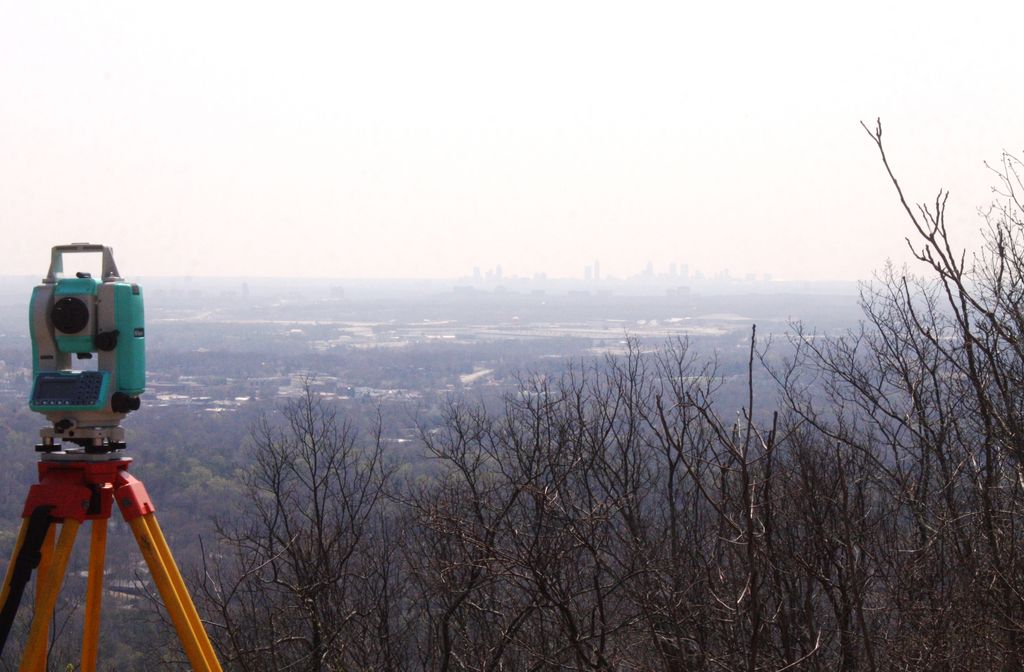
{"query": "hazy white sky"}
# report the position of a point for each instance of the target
(421, 139)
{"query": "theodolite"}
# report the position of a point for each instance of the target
(79, 317)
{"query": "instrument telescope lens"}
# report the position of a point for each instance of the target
(70, 315)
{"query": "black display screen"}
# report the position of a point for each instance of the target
(52, 389)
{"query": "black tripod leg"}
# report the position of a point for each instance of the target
(26, 560)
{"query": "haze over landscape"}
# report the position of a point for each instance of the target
(412, 140)
(524, 336)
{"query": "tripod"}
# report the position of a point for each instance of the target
(73, 488)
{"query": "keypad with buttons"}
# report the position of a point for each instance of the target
(68, 389)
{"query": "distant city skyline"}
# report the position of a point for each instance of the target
(592, 272)
(400, 139)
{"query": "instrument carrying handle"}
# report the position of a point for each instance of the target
(57, 253)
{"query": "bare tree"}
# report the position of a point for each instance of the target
(302, 578)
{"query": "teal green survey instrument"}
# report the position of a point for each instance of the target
(78, 318)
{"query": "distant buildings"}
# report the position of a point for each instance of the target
(651, 277)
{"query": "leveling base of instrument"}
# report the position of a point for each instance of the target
(89, 440)
(71, 491)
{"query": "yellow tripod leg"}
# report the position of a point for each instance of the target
(94, 595)
(179, 587)
(34, 657)
(14, 554)
(164, 584)
(45, 561)
(43, 577)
